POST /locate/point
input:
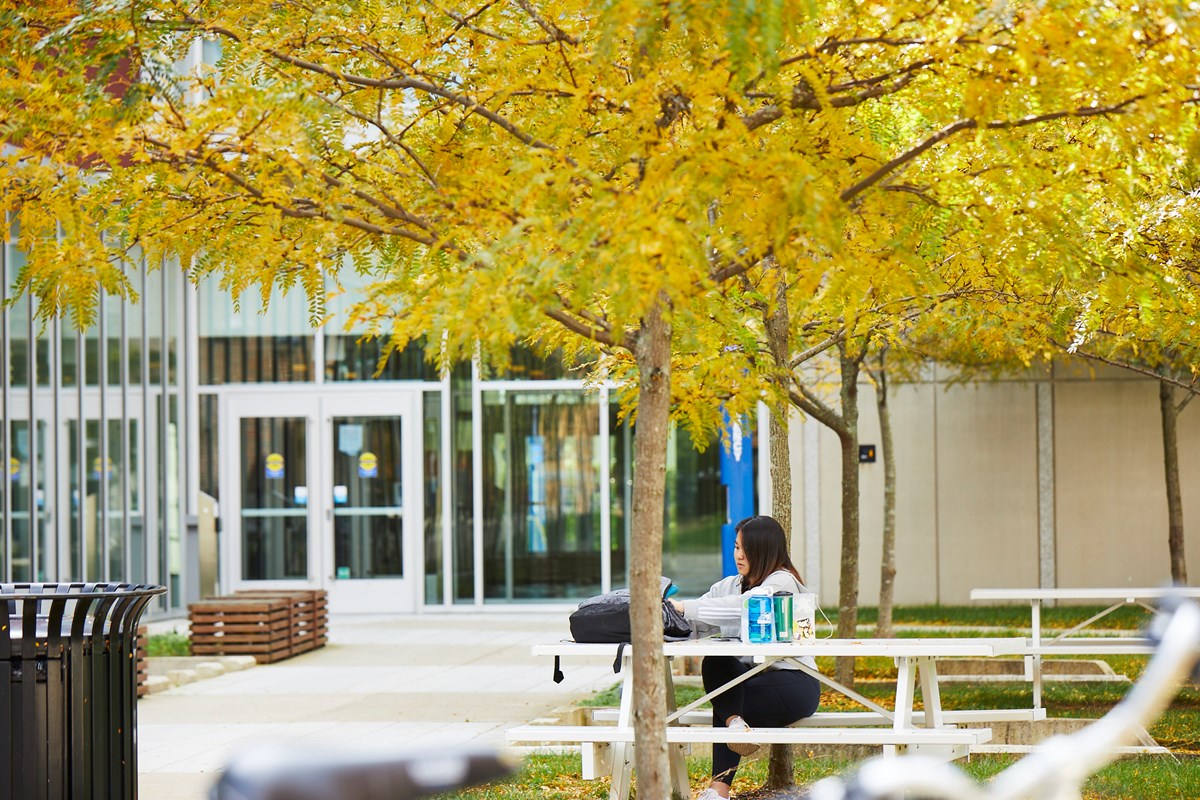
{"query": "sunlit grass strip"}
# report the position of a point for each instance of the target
(556, 777)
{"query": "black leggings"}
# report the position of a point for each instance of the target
(773, 698)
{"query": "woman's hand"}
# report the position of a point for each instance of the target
(677, 603)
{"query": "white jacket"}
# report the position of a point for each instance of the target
(722, 603)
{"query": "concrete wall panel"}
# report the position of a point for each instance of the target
(987, 488)
(1111, 510)
(914, 430)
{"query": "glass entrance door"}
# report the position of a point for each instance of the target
(372, 486)
(325, 492)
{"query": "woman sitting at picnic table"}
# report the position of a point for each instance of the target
(777, 696)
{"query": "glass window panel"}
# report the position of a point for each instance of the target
(431, 425)
(91, 356)
(620, 481)
(527, 363)
(30, 514)
(75, 554)
(137, 518)
(112, 347)
(368, 497)
(20, 352)
(695, 512)
(274, 514)
(176, 284)
(69, 349)
(209, 438)
(115, 466)
(463, 568)
(92, 520)
(133, 325)
(541, 479)
(253, 345)
(45, 343)
(152, 337)
(349, 359)
(18, 338)
(172, 535)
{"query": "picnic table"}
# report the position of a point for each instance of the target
(1068, 643)
(607, 749)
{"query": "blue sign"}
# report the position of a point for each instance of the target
(737, 475)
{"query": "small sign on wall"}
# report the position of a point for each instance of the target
(274, 466)
(866, 454)
(368, 465)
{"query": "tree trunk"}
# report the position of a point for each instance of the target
(780, 772)
(848, 589)
(781, 472)
(1166, 402)
(653, 354)
(781, 463)
(887, 568)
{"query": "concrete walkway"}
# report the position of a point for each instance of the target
(382, 681)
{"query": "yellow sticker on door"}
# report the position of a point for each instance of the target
(274, 465)
(368, 465)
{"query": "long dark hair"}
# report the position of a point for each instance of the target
(766, 548)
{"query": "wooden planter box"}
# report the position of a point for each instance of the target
(308, 626)
(229, 626)
(268, 624)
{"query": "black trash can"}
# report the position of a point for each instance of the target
(68, 689)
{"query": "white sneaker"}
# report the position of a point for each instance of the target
(710, 794)
(738, 725)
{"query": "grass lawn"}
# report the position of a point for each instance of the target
(556, 777)
(168, 644)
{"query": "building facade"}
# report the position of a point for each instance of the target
(209, 448)
(212, 447)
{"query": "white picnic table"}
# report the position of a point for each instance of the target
(1067, 642)
(607, 749)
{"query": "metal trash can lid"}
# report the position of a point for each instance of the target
(74, 611)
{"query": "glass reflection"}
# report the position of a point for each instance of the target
(541, 510)
(368, 498)
(274, 498)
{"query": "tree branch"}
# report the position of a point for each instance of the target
(804, 98)
(557, 34)
(972, 124)
(1189, 387)
(589, 331)
(817, 349)
(803, 399)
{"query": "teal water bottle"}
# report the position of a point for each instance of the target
(783, 616)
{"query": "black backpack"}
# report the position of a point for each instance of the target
(605, 618)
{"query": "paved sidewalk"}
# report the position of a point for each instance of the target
(411, 681)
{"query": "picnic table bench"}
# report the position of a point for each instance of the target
(1068, 643)
(607, 749)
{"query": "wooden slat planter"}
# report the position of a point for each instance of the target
(308, 625)
(269, 624)
(256, 626)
